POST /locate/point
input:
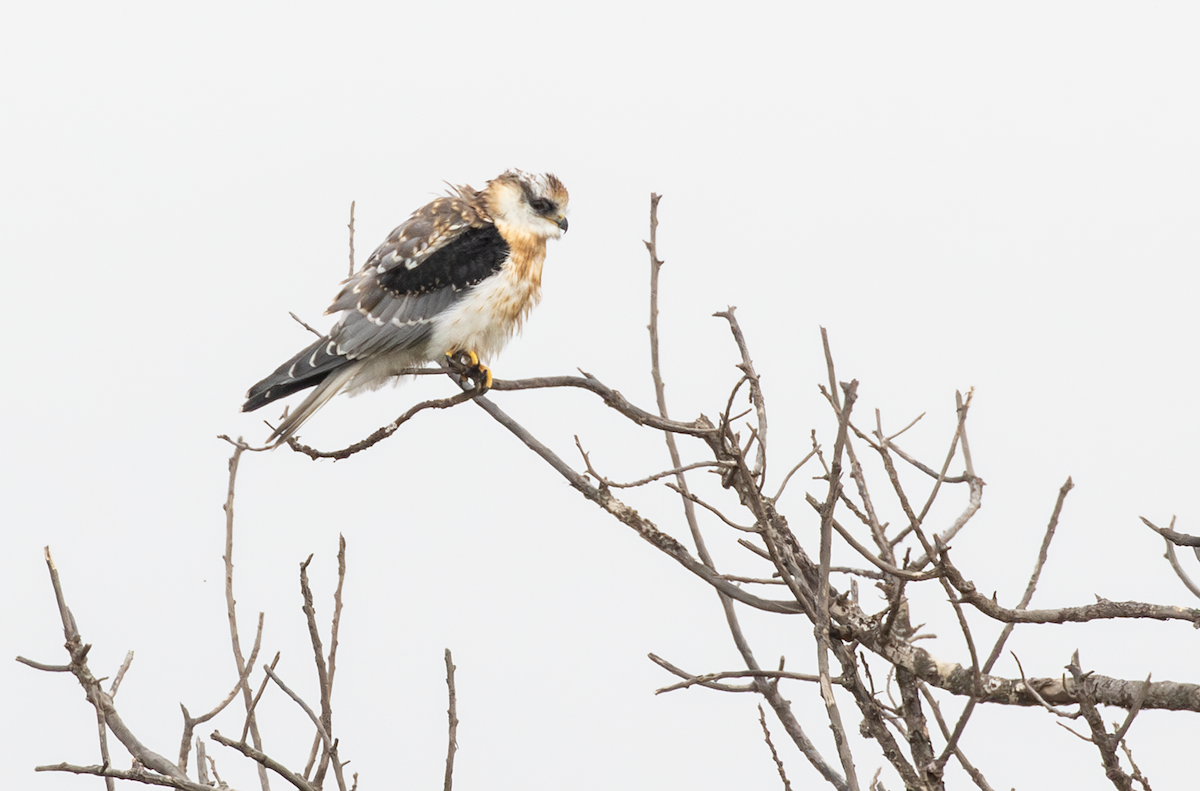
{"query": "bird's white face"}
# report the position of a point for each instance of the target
(535, 204)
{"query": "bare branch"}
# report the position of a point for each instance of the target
(603, 481)
(932, 473)
(337, 610)
(303, 324)
(452, 713)
(918, 731)
(706, 568)
(142, 776)
(350, 273)
(1178, 539)
(850, 392)
(629, 517)
(1104, 741)
(382, 433)
(202, 763)
(231, 605)
(330, 744)
(756, 394)
(705, 679)
(976, 776)
(762, 719)
(258, 696)
(103, 734)
(1043, 554)
(190, 723)
(670, 668)
(106, 713)
(895, 571)
(264, 761)
(1173, 559)
(792, 472)
(869, 518)
(325, 728)
(1119, 735)
(711, 509)
(911, 423)
(1103, 609)
(45, 667)
(116, 682)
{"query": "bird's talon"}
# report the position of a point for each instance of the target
(466, 365)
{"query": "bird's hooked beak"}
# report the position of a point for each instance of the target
(561, 222)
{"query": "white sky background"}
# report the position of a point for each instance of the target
(1004, 198)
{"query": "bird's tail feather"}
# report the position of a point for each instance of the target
(327, 389)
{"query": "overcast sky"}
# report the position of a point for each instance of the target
(1000, 197)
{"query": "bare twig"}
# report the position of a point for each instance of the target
(1119, 734)
(791, 472)
(711, 509)
(976, 776)
(116, 682)
(1031, 586)
(231, 606)
(754, 580)
(918, 731)
(660, 394)
(1177, 567)
(611, 398)
(314, 634)
(202, 763)
(629, 517)
(706, 567)
(822, 625)
(264, 761)
(1101, 610)
(848, 537)
(670, 668)
(190, 722)
(258, 696)
(762, 720)
(382, 433)
(45, 667)
(350, 273)
(870, 518)
(603, 481)
(704, 679)
(107, 718)
(303, 324)
(1172, 540)
(330, 743)
(452, 713)
(142, 776)
(103, 734)
(756, 393)
(1040, 700)
(1105, 742)
(1178, 539)
(912, 423)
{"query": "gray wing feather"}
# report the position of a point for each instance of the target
(377, 320)
(395, 322)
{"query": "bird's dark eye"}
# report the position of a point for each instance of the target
(541, 205)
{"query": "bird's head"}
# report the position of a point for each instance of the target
(533, 203)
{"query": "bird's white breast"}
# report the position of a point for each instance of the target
(488, 315)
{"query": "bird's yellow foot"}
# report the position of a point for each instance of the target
(466, 365)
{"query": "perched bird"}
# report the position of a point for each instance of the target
(456, 279)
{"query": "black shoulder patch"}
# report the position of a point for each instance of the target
(475, 254)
